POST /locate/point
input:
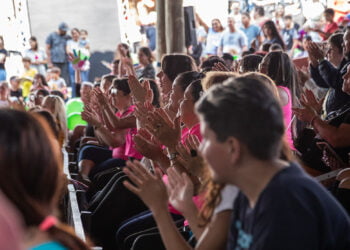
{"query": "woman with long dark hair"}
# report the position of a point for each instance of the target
(271, 34)
(32, 179)
(36, 55)
(279, 67)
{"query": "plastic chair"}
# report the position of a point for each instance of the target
(74, 105)
(74, 119)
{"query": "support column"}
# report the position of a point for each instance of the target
(174, 23)
(161, 30)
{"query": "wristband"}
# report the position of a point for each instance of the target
(172, 156)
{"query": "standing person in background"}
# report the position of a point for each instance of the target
(125, 61)
(250, 30)
(84, 41)
(330, 26)
(36, 55)
(28, 76)
(236, 12)
(278, 19)
(74, 48)
(289, 34)
(259, 16)
(151, 31)
(233, 41)
(56, 50)
(3, 55)
(213, 37)
(145, 59)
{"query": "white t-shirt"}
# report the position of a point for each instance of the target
(228, 195)
(58, 84)
(39, 55)
(233, 41)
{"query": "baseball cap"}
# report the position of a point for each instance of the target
(63, 26)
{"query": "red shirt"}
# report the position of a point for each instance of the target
(329, 28)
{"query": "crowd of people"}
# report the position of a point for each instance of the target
(239, 147)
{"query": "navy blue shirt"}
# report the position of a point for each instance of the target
(292, 212)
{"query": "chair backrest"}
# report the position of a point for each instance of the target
(75, 119)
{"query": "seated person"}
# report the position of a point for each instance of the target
(334, 130)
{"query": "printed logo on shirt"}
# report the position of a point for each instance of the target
(244, 239)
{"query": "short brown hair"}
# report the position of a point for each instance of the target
(174, 64)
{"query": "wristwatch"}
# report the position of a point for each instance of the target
(172, 156)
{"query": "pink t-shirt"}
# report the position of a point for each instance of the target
(130, 150)
(195, 130)
(119, 152)
(287, 115)
(198, 199)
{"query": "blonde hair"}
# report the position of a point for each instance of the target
(216, 77)
(56, 106)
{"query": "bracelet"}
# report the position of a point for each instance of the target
(313, 119)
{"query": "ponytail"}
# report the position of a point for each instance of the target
(66, 236)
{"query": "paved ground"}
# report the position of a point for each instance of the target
(98, 17)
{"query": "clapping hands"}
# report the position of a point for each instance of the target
(188, 155)
(149, 187)
(166, 131)
(140, 92)
(180, 190)
(308, 99)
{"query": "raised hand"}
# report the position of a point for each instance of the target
(141, 113)
(167, 132)
(78, 59)
(121, 50)
(306, 114)
(220, 67)
(180, 191)
(315, 53)
(308, 99)
(100, 98)
(304, 75)
(89, 117)
(149, 187)
(188, 156)
(141, 92)
(128, 66)
(146, 145)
